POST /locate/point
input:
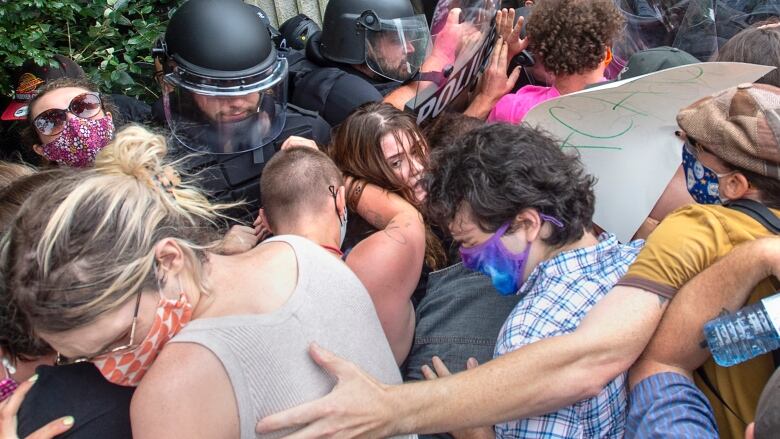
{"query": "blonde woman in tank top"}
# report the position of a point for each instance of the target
(114, 266)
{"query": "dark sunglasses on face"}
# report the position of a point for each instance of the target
(84, 106)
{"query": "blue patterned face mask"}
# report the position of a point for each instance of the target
(702, 181)
(493, 259)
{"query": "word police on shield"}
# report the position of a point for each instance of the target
(465, 45)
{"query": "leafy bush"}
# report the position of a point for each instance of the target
(110, 39)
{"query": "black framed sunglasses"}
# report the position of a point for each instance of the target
(51, 122)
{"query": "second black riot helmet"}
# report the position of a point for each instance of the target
(386, 35)
(226, 90)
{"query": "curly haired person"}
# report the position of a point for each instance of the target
(572, 40)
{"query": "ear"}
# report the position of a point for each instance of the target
(530, 221)
(170, 257)
(38, 149)
(734, 186)
(341, 200)
(265, 221)
(608, 56)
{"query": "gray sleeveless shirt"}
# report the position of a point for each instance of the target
(266, 355)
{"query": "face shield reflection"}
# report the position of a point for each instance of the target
(225, 122)
(395, 49)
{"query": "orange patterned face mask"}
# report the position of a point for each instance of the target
(127, 368)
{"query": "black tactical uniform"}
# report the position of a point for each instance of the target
(225, 98)
(385, 36)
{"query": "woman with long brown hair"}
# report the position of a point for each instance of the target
(381, 145)
(382, 154)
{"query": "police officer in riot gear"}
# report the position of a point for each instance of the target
(366, 49)
(225, 96)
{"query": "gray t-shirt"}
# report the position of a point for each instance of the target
(266, 355)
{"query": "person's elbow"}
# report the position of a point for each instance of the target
(601, 365)
(594, 372)
(613, 335)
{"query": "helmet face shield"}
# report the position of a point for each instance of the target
(221, 116)
(395, 49)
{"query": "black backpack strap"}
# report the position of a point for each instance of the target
(758, 212)
(703, 375)
(765, 217)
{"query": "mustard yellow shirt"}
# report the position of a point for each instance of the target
(684, 244)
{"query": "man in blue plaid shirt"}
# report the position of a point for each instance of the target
(522, 210)
(555, 297)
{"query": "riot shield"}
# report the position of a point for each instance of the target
(698, 27)
(461, 45)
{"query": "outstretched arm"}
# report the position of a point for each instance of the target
(448, 42)
(724, 287)
(533, 380)
(495, 83)
(389, 262)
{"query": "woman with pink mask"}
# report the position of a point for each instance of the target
(69, 122)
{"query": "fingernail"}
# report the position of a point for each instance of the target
(425, 368)
(68, 420)
(33, 378)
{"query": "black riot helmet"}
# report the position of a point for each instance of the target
(386, 35)
(298, 30)
(226, 91)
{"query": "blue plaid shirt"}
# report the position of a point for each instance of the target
(555, 298)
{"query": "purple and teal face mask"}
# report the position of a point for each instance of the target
(493, 259)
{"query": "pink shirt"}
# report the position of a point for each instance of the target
(512, 108)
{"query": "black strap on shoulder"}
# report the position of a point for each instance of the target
(708, 383)
(766, 218)
(762, 214)
(758, 212)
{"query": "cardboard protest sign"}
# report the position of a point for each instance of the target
(624, 133)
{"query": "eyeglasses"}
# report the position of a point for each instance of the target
(51, 122)
(61, 361)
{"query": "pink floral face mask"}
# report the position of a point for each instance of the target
(7, 384)
(80, 141)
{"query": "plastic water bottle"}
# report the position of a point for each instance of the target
(748, 333)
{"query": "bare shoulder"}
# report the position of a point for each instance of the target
(398, 248)
(275, 252)
(400, 257)
(279, 258)
(186, 393)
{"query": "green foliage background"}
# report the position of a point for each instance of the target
(110, 39)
